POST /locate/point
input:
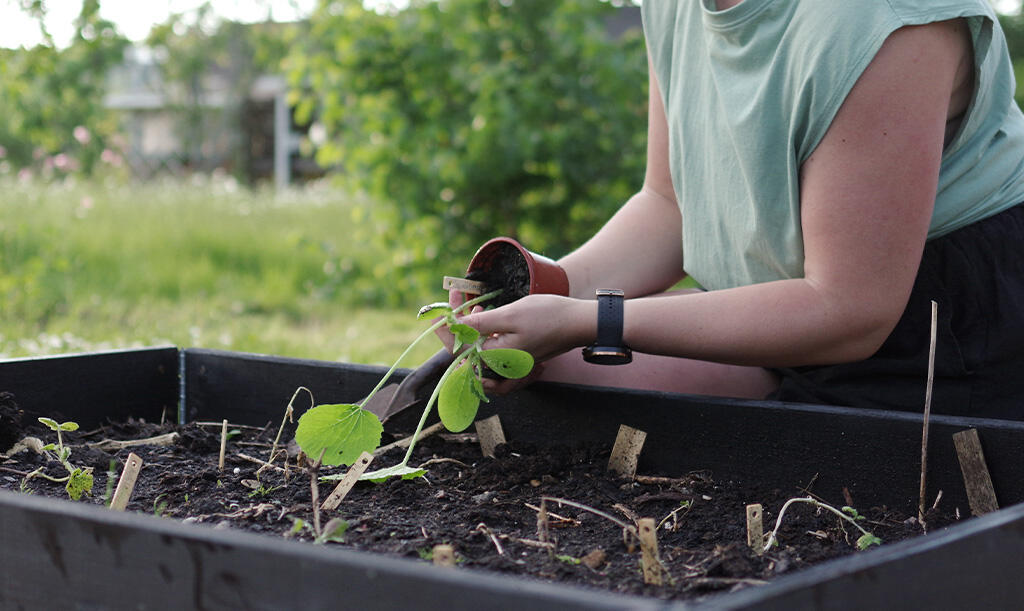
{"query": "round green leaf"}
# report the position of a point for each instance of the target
(457, 402)
(341, 431)
(69, 426)
(464, 333)
(508, 362)
(433, 310)
(50, 423)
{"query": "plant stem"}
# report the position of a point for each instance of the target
(430, 403)
(816, 503)
(434, 327)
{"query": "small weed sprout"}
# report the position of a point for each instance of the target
(79, 480)
(340, 433)
(847, 513)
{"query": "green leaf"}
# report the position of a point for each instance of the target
(341, 431)
(867, 541)
(478, 390)
(508, 362)
(79, 482)
(464, 333)
(382, 475)
(334, 532)
(69, 426)
(50, 423)
(50, 446)
(433, 310)
(457, 402)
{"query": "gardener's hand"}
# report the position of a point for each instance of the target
(543, 325)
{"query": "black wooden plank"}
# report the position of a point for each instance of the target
(91, 388)
(254, 389)
(976, 565)
(63, 555)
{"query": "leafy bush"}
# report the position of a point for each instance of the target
(474, 118)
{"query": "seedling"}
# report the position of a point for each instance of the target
(341, 432)
(79, 480)
(849, 514)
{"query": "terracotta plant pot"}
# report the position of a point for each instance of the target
(504, 263)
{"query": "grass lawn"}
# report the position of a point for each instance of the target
(102, 265)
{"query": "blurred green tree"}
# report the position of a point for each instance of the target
(52, 101)
(475, 118)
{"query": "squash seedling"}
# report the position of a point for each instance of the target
(79, 480)
(341, 432)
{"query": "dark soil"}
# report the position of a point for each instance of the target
(504, 268)
(484, 507)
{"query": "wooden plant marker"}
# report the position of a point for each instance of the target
(126, 483)
(755, 528)
(980, 493)
(223, 444)
(626, 451)
(649, 561)
(345, 485)
(491, 434)
(444, 555)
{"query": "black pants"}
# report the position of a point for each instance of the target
(976, 275)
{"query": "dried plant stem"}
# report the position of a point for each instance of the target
(812, 501)
(597, 512)
(927, 414)
(288, 417)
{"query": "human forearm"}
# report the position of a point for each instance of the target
(639, 250)
(775, 324)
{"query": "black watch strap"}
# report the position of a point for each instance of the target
(609, 349)
(609, 317)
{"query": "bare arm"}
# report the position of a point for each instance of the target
(867, 194)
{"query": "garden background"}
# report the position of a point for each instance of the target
(419, 133)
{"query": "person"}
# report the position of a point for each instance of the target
(824, 170)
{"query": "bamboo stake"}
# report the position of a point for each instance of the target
(626, 451)
(126, 483)
(490, 434)
(980, 493)
(649, 552)
(345, 485)
(927, 413)
(755, 528)
(223, 444)
(444, 555)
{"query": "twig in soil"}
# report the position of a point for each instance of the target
(543, 525)
(14, 471)
(237, 426)
(288, 412)
(927, 414)
(529, 542)
(482, 529)
(434, 461)
(626, 511)
(108, 445)
(654, 480)
(223, 444)
(404, 443)
(629, 533)
(263, 464)
(561, 519)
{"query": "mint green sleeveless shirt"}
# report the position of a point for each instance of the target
(750, 91)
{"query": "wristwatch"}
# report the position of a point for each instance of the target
(608, 349)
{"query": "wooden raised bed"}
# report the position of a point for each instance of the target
(67, 555)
